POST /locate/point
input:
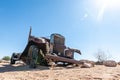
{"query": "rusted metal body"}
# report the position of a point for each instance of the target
(43, 50)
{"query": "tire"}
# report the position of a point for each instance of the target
(41, 59)
(32, 56)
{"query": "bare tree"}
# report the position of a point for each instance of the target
(101, 56)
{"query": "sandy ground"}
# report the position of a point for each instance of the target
(23, 72)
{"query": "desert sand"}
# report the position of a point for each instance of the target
(23, 72)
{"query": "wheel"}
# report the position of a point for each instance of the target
(41, 59)
(32, 56)
(15, 57)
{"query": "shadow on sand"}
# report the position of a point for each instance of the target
(16, 67)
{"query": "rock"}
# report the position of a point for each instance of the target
(87, 65)
(4, 61)
(110, 63)
(118, 63)
(87, 62)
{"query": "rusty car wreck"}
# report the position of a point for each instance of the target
(42, 51)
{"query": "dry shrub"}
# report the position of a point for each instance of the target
(110, 63)
(99, 63)
(6, 58)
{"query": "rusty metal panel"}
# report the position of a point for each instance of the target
(61, 59)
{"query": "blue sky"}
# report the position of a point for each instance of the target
(89, 25)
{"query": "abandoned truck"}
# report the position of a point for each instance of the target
(42, 51)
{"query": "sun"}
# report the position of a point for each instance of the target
(106, 5)
(109, 4)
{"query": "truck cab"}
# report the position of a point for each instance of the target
(58, 47)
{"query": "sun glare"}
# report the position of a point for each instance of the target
(110, 4)
(104, 5)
